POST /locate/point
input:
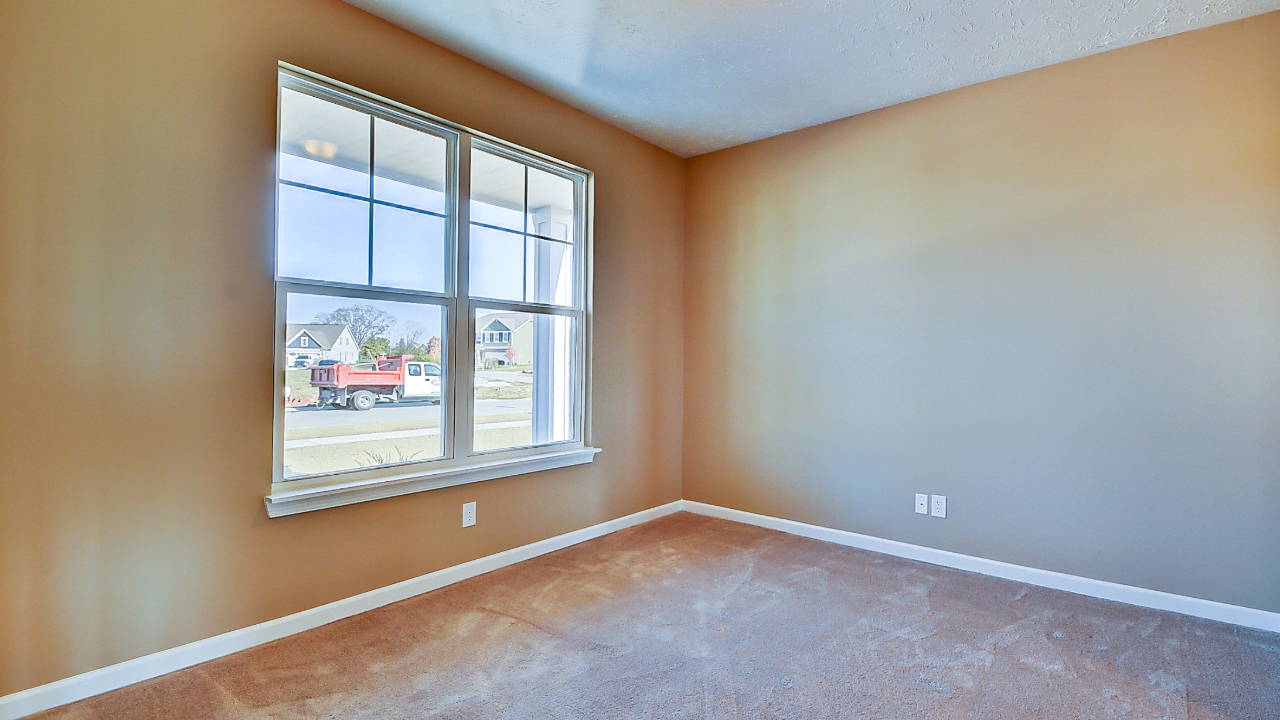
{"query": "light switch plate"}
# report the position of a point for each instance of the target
(468, 514)
(939, 506)
(922, 503)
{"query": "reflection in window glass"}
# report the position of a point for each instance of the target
(322, 236)
(329, 147)
(408, 250)
(520, 268)
(497, 264)
(550, 205)
(323, 144)
(497, 191)
(524, 389)
(368, 387)
(531, 258)
(409, 167)
(548, 272)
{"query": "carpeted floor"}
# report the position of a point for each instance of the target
(690, 617)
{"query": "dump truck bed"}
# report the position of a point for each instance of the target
(390, 372)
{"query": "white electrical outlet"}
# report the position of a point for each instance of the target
(939, 506)
(922, 503)
(468, 514)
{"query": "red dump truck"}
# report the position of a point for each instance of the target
(361, 386)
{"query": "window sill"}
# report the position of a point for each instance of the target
(291, 502)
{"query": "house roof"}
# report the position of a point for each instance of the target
(512, 320)
(325, 335)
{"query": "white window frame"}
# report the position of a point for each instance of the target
(459, 464)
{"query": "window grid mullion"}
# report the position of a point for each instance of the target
(372, 125)
(384, 203)
(499, 228)
(362, 292)
(462, 398)
(524, 241)
(523, 307)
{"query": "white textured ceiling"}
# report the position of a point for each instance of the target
(699, 75)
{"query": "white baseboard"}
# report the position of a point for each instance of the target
(92, 683)
(1142, 597)
(95, 682)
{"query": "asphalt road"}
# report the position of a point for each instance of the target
(309, 416)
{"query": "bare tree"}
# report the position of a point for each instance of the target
(364, 321)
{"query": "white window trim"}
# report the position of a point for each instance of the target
(293, 500)
(317, 492)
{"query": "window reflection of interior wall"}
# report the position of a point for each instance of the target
(324, 217)
(553, 222)
(552, 262)
(552, 381)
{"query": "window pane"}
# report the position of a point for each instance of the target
(548, 272)
(497, 191)
(524, 384)
(550, 205)
(322, 236)
(409, 166)
(352, 398)
(323, 144)
(408, 249)
(497, 264)
(506, 266)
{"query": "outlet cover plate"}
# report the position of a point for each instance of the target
(939, 506)
(468, 514)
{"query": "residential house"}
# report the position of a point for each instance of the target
(504, 339)
(310, 343)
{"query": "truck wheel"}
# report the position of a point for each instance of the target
(362, 400)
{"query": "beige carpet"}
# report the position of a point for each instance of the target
(690, 617)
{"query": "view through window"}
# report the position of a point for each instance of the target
(381, 359)
(524, 379)
(371, 261)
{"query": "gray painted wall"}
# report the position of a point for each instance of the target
(1053, 298)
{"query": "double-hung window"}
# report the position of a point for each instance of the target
(443, 276)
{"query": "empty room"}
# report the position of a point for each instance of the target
(640, 359)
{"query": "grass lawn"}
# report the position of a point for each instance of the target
(347, 456)
(521, 384)
(515, 391)
(299, 382)
(367, 453)
(356, 427)
(512, 369)
(359, 428)
(503, 437)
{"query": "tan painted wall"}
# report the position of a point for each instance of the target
(135, 217)
(1054, 298)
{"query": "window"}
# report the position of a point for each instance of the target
(454, 267)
